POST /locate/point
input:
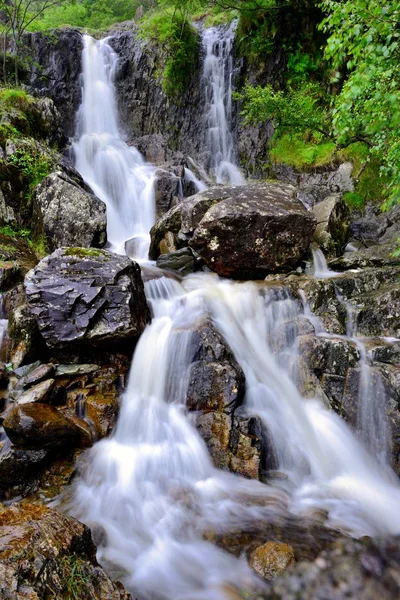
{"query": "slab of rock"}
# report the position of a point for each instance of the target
(18, 464)
(83, 298)
(74, 370)
(181, 260)
(36, 375)
(38, 426)
(241, 232)
(45, 554)
(332, 230)
(64, 214)
(166, 189)
(38, 393)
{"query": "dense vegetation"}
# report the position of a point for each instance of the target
(338, 89)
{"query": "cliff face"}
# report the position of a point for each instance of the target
(56, 70)
(144, 108)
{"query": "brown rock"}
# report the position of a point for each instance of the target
(37, 425)
(272, 559)
(45, 554)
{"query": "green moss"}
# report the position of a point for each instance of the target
(177, 41)
(353, 199)
(39, 246)
(85, 252)
(370, 184)
(293, 150)
(6, 250)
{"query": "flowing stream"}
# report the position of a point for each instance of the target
(150, 491)
(217, 83)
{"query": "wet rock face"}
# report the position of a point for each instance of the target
(44, 554)
(55, 71)
(242, 232)
(86, 298)
(64, 214)
(145, 110)
(40, 426)
(215, 391)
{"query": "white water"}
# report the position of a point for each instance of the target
(151, 487)
(321, 269)
(198, 184)
(217, 82)
(372, 422)
(117, 173)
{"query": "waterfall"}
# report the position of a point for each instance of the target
(217, 83)
(372, 422)
(150, 491)
(117, 173)
(321, 269)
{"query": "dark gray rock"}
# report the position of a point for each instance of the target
(56, 69)
(84, 298)
(256, 230)
(216, 381)
(244, 231)
(153, 147)
(166, 189)
(18, 464)
(66, 215)
(333, 216)
(182, 261)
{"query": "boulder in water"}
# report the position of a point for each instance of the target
(243, 231)
(82, 298)
(64, 214)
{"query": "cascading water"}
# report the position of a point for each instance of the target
(217, 83)
(116, 172)
(321, 269)
(372, 423)
(150, 490)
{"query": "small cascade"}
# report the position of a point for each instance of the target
(198, 184)
(321, 269)
(217, 83)
(3, 331)
(117, 173)
(372, 423)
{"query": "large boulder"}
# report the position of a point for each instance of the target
(332, 216)
(45, 554)
(241, 232)
(83, 298)
(38, 426)
(64, 214)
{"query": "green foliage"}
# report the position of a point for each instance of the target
(74, 576)
(364, 49)
(294, 111)
(302, 152)
(301, 65)
(178, 41)
(33, 164)
(11, 232)
(353, 200)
